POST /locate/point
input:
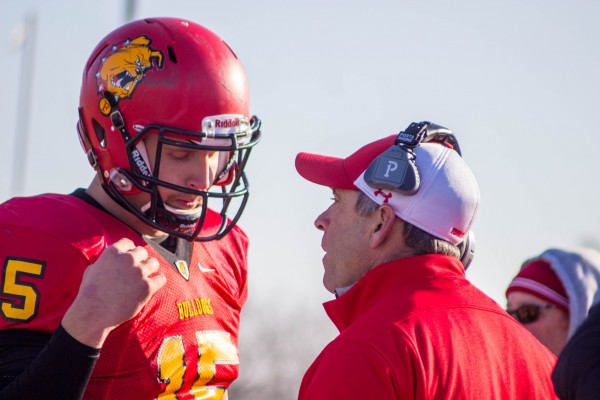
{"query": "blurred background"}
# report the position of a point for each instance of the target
(516, 81)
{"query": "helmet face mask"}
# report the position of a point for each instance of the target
(177, 82)
(229, 190)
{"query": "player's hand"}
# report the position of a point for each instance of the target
(113, 290)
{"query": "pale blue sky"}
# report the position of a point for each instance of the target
(517, 81)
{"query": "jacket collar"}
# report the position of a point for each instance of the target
(390, 278)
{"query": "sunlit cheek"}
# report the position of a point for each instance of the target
(217, 162)
(198, 169)
(167, 171)
(202, 170)
(222, 159)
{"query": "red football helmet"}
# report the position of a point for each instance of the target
(175, 79)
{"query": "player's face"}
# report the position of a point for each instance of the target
(551, 327)
(345, 241)
(193, 169)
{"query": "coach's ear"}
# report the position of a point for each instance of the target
(382, 225)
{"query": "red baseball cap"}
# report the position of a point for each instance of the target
(340, 173)
(537, 278)
(444, 205)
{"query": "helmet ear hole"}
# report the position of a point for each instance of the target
(172, 56)
(100, 133)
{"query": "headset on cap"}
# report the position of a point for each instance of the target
(395, 168)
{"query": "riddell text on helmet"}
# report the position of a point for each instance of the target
(140, 163)
(227, 123)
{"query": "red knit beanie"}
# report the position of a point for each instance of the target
(538, 279)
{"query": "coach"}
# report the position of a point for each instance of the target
(411, 325)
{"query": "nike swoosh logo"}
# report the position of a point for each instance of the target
(203, 269)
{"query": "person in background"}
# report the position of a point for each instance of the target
(133, 288)
(577, 372)
(553, 293)
(411, 325)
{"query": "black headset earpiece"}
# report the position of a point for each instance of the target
(467, 249)
(395, 169)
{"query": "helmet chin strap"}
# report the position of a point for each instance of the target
(174, 218)
(191, 213)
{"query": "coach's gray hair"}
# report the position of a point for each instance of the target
(417, 239)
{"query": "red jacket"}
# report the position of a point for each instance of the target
(415, 328)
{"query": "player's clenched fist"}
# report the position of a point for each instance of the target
(113, 290)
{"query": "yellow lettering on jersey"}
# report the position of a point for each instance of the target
(194, 307)
(171, 369)
(214, 348)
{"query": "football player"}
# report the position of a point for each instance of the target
(147, 263)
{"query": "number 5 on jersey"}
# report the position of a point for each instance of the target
(19, 298)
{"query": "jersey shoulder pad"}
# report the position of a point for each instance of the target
(63, 218)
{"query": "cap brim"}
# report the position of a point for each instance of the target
(324, 170)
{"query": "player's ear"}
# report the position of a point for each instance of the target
(382, 223)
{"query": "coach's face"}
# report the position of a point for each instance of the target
(345, 241)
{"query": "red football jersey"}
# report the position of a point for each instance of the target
(183, 343)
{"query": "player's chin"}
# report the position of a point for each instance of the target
(327, 284)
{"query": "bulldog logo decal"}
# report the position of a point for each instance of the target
(125, 67)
